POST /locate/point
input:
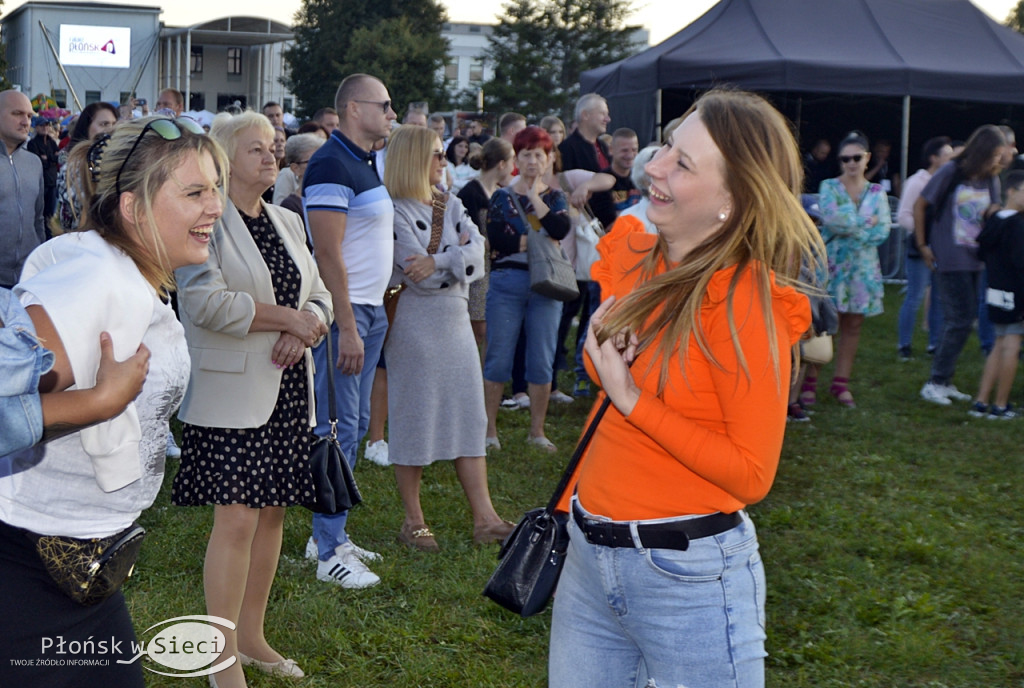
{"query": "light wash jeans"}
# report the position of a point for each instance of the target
(634, 617)
(919, 276)
(352, 397)
(22, 361)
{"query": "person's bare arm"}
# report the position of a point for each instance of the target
(328, 230)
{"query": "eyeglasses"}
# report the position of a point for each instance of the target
(385, 105)
(168, 130)
(302, 162)
(851, 158)
(439, 155)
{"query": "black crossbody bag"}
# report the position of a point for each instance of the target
(532, 556)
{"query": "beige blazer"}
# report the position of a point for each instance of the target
(234, 384)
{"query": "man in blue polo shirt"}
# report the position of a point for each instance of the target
(351, 224)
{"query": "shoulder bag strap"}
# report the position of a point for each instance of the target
(519, 206)
(577, 455)
(332, 409)
(437, 222)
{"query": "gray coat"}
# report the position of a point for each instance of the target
(21, 212)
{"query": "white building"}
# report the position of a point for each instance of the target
(467, 45)
(218, 62)
(103, 51)
(86, 50)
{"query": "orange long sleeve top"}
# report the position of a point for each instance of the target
(711, 441)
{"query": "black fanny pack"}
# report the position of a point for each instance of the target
(89, 571)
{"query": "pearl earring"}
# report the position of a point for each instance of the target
(722, 216)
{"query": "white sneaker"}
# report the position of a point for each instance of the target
(955, 394)
(377, 452)
(935, 393)
(363, 555)
(173, 452)
(492, 443)
(346, 570)
(560, 397)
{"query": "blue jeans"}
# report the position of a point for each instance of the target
(590, 304)
(958, 292)
(634, 617)
(512, 305)
(919, 276)
(23, 359)
(352, 397)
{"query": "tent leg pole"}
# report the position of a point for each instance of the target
(905, 139)
(657, 109)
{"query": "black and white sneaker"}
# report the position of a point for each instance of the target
(346, 570)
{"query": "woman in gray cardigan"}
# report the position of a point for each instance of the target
(435, 387)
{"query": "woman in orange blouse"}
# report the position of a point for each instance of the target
(663, 584)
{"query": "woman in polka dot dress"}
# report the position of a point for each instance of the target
(251, 314)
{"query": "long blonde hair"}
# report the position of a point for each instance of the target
(768, 232)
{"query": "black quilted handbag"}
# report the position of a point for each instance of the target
(532, 556)
(334, 486)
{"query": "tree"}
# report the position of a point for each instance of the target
(540, 47)
(398, 41)
(1015, 19)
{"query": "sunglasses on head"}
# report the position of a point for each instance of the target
(168, 130)
(851, 158)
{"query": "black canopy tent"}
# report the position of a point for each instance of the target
(895, 50)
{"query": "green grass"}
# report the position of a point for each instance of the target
(893, 543)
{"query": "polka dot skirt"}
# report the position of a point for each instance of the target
(264, 466)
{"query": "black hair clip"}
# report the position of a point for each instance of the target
(95, 155)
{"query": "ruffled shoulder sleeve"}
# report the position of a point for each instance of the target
(621, 252)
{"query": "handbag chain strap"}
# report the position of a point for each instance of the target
(577, 455)
(439, 202)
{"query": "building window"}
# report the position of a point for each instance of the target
(196, 62)
(451, 71)
(476, 69)
(287, 104)
(234, 61)
(93, 97)
(60, 96)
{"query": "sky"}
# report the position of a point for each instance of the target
(662, 18)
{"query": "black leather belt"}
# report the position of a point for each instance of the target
(675, 535)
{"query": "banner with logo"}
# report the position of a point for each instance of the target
(95, 46)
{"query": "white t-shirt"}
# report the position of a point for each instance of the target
(97, 481)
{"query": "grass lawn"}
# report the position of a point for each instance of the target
(893, 543)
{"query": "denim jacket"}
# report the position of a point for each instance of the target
(22, 361)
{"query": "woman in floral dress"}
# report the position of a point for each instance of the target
(856, 220)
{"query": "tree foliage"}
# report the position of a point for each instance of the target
(1015, 19)
(398, 41)
(540, 47)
